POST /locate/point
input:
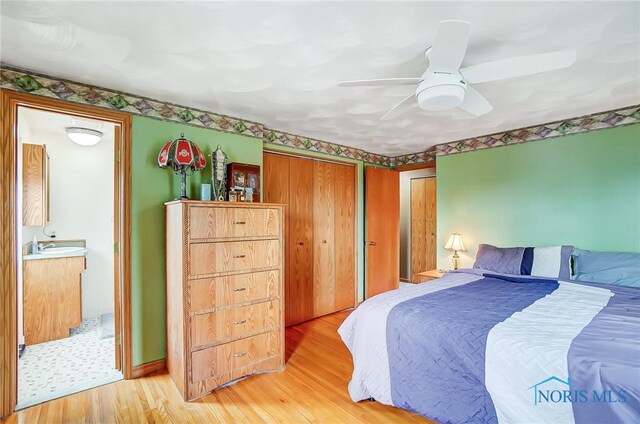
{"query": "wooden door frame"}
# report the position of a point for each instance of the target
(11, 100)
(415, 166)
(275, 151)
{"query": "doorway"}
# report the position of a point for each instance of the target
(400, 226)
(67, 259)
(417, 223)
(66, 319)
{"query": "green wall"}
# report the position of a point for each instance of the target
(581, 189)
(151, 187)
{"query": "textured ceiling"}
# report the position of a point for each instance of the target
(278, 63)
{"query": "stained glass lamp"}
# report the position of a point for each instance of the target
(182, 155)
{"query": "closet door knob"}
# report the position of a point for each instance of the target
(324, 241)
(300, 243)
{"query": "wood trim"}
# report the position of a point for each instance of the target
(11, 100)
(148, 368)
(346, 162)
(356, 227)
(125, 245)
(8, 265)
(116, 238)
(415, 166)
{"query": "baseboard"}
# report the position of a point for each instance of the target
(149, 367)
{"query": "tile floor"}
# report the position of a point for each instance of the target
(60, 367)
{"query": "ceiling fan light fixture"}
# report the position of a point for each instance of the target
(84, 136)
(444, 85)
(441, 97)
(441, 91)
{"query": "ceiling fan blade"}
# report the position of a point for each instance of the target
(475, 103)
(518, 66)
(399, 108)
(379, 82)
(450, 45)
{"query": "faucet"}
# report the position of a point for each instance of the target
(41, 247)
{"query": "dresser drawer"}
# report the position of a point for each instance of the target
(222, 359)
(233, 289)
(212, 223)
(234, 323)
(211, 258)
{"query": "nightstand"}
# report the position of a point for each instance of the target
(430, 275)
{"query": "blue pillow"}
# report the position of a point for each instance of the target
(616, 268)
(549, 262)
(505, 260)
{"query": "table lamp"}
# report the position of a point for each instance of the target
(182, 155)
(455, 243)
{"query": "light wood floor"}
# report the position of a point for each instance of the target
(312, 388)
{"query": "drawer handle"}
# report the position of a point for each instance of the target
(239, 222)
(239, 256)
(242, 321)
(240, 289)
(238, 355)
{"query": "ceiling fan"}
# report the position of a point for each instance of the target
(445, 86)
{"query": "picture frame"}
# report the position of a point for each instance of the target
(243, 175)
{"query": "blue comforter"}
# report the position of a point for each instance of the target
(491, 348)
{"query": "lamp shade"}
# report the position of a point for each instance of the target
(455, 243)
(181, 154)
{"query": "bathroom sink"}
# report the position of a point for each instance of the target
(61, 250)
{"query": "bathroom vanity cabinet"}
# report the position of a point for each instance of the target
(52, 297)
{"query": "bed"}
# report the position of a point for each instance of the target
(475, 346)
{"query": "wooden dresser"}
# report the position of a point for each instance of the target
(225, 317)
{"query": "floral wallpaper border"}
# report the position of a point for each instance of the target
(42, 85)
(47, 86)
(597, 121)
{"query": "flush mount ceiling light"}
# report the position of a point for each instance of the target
(84, 136)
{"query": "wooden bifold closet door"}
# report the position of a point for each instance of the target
(299, 280)
(320, 220)
(423, 226)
